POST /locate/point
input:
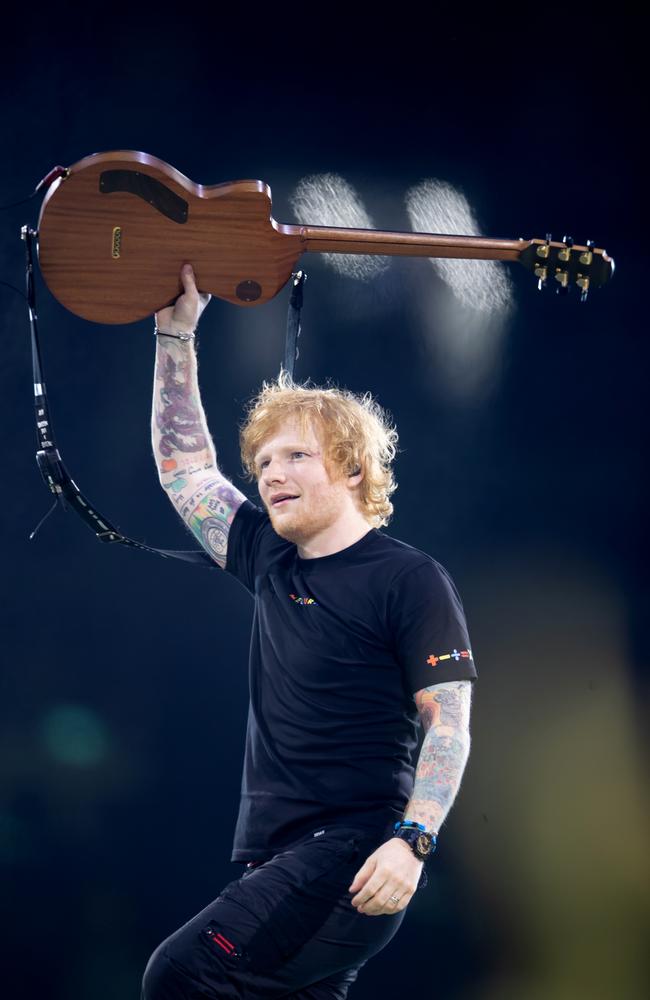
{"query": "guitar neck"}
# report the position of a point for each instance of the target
(325, 239)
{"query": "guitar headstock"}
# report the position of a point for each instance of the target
(563, 264)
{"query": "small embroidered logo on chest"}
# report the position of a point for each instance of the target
(303, 600)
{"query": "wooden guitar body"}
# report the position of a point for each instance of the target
(114, 233)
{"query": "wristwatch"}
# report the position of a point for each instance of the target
(422, 844)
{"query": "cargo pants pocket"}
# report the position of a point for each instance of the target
(285, 902)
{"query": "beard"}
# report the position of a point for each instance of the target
(309, 517)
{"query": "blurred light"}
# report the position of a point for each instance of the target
(12, 838)
(328, 200)
(553, 820)
(437, 207)
(74, 735)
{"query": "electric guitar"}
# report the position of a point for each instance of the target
(115, 228)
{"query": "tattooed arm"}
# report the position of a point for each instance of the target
(388, 879)
(183, 450)
(444, 710)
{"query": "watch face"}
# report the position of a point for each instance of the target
(424, 843)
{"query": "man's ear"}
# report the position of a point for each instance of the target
(355, 477)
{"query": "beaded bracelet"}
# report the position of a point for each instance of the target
(176, 336)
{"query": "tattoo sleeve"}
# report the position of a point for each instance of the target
(183, 450)
(444, 710)
(179, 430)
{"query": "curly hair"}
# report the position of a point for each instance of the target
(357, 435)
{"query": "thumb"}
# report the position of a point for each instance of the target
(187, 277)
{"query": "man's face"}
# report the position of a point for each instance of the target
(290, 465)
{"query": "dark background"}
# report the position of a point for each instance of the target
(124, 682)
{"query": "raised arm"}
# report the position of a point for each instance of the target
(183, 450)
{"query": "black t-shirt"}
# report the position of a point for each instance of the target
(339, 646)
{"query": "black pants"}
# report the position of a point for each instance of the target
(285, 928)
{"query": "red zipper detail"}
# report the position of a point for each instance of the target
(223, 942)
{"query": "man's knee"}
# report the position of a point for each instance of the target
(176, 974)
(164, 980)
(155, 984)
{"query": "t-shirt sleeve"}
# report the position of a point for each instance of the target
(252, 545)
(429, 628)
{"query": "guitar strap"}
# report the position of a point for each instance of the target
(291, 351)
(55, 475)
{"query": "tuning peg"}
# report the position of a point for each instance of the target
(565, 253)
(562, 277)
(587, 256)
(583, 284)
(545, 248)
(541, 273)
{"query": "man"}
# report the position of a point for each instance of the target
(354, 634)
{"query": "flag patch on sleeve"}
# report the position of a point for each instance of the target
(456, 654)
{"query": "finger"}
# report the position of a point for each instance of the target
(382, 901)
(403, 903)
(366, 892)
(187, 277)
(376, 908)
(372, 907)
(357, 882)
(391, 907)
(362, 875)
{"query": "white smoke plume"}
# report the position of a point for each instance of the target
(328, 200)
(464, 330)
(436, 207)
